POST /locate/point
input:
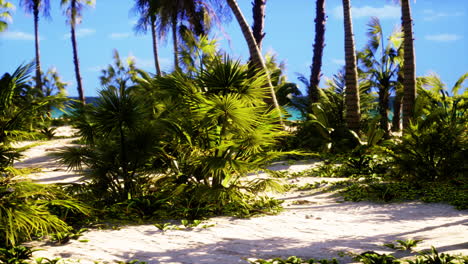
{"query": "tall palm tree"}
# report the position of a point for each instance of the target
(319, 44)
(36, 7)
(380, 62)
(178, 14)
(258, 11)
(73, 11)
(5, 14)
(409, 67)
(353, 114)
(148, 11)
(255, 55)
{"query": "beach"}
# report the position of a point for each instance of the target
(312, 225)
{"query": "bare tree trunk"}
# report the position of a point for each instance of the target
(396, 126)
(383, 110)
(155, 45)
(353, 115)
(258, 10)
(319, 44)
(36, 46)
(175, 42)
(255, 55)
(76, 62)
(409, 67)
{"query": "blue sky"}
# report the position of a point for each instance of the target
(440, 28)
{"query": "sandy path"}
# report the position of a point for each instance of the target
(40, 157)
(319, 228)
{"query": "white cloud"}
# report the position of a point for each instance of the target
(443, 37)
(338, 61)
(385, 12)
(82, 32)
(96, 68)
(17, 35)
(143, 62)
(431, 15)
(119, 35)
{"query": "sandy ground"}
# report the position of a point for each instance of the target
(319, 225)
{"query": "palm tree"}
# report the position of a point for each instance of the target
(5, 14)
(258, 10)
(36, 7)
(353, 114)
(148, 13)
(175, 15)
(315, 75)
(380, 63)
(255, 55)
(409, 67)
(73, 11)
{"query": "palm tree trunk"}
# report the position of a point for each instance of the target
(396, 126)
(76, 62)
(258, 10)
(383, 110)
(174, 42)
(319, 44)
(409, 67)
(396, 112)
(255, 55)
(36, 46)
(353, 114)
(155, 45)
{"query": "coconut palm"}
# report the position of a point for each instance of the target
(36, 7)
(255, 55)
(380, 62)
(258, 11)
(148, 11)
(177, 15)
(73, 11)
(5, 14)
(409, 67)
(353, 115)
(319, 44)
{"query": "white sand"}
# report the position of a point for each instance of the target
(320, 227)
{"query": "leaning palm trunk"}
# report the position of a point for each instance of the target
(36, 45)
(258, 11)
(318, 52)
(155, 45)
(255, 55)
(409, 67)
(353, 114)
(76, 62)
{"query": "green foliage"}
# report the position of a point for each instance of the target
(22, 109)
(42, 260)
(200, 133)
(403, 244)
(293, 260)
(434, 257)
(371, 257)
(382, 191)
(435, 146)
(15, 255)
(26, 210)
(5, 14)
(61, 238)
(48, 132)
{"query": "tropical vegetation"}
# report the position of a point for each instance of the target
(187, 144)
